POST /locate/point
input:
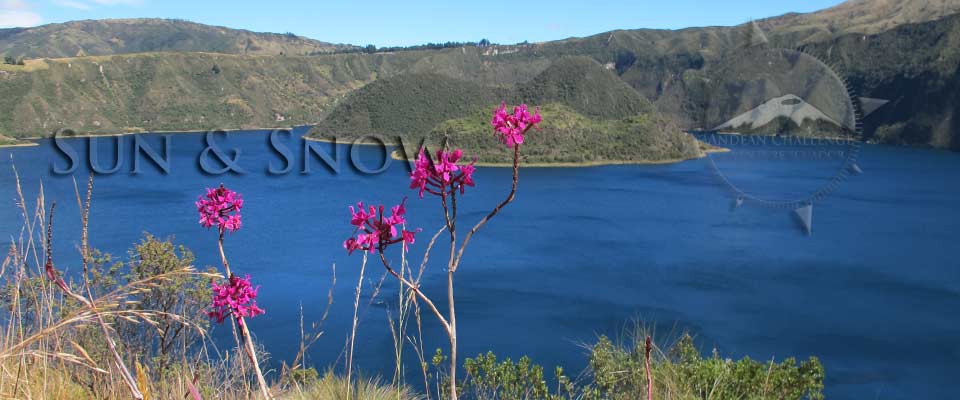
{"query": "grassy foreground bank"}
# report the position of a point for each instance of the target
(70, 336)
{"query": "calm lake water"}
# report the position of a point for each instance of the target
(873, 292)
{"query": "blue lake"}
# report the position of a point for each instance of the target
(873, 292)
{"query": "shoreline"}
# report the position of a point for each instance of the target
(395, 153)
(353, 142)
(705, 150)
(13, 145)
(584, 164)
(174, 132)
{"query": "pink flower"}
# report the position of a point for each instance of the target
(232, 223)
(375, 230)
(237, 297)
(443, 175)
(398, 211)
(408, 237)
(360, 216)
(220, 207)
(511, 128)
(352, 245)
(467, 174)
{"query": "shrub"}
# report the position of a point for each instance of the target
(302, 377)
(488, 379)
(180, 300)
(618, 373)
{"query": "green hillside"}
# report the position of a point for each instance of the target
(592, 116)
(413, 103)
(917, 67)
(860, 17)
(179, 91)
(185, 91)
(878, 44)
(122, 36)
(566, 136)
(404, 104)
(586, 86)
(893, 49)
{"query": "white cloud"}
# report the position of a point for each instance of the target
(13, 5)
(17, 13)
(72, 4)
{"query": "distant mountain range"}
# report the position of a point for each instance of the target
(124, 36)
(133, 75)
(861, 16)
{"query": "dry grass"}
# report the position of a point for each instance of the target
(47, 322)
(332, 387)
(45, 318)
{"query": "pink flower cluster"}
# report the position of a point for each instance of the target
(220, 207)
(510, 128)
(237, 297)
(443, 175)
(376, 230)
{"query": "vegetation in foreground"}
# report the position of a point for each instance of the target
(80, 368)
(53, 349)
(139, 329)
(632, 370)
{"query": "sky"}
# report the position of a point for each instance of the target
(404, 23)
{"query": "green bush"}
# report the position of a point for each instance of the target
(488, 379)
(181, 300)
(618, 373)
(302, 377)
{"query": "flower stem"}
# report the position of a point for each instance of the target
(244, 332)
(223, 256)
(416, 290)
(451, 268)
(496, 210)
(453, 336)
(353, 330)
(457, 255)
(648, 347)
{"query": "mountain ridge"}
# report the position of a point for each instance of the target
(853, 16)
(143, 35)
(182, 90)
